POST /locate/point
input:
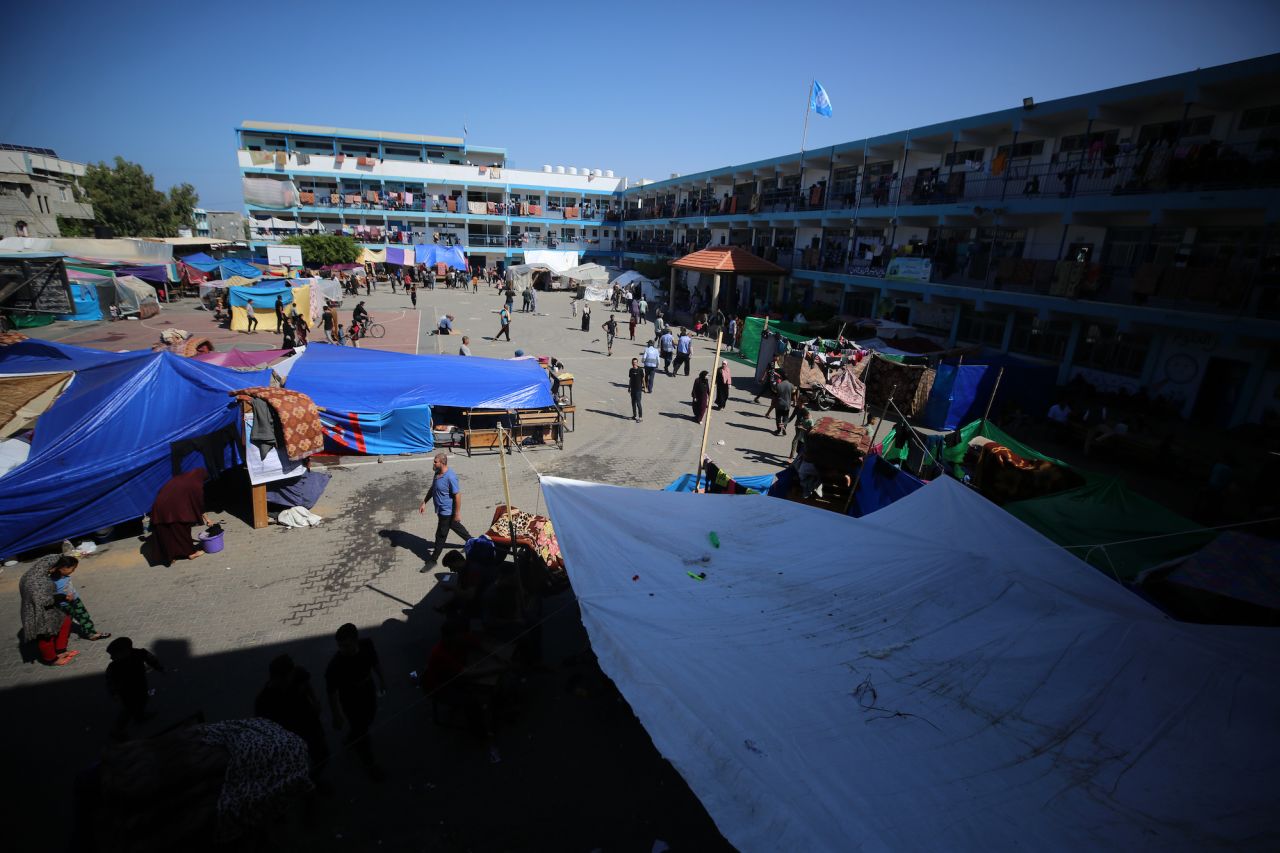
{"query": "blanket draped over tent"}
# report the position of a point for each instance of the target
(102, 450)
(974, 684)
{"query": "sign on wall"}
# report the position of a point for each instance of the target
(910, 269)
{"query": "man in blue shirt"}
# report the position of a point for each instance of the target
(650, 362)
(667, 343)
(445, 326)
(446, 494)
(684, 349)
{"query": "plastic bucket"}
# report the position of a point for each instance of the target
(211, 544)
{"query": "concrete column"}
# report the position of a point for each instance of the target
(715, 292)
(955, 328)
(1073, 340)
(1008, 330)
(671, 294)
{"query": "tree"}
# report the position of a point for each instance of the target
(322, 250)
(125, 199)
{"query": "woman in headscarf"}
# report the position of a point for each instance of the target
(42, 619)
(179, 506)
(586, 316)
(701, 396)
(723, 383)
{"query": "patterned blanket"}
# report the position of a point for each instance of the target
(837, 444)
(298, 416)
(913, 384)
(10, 338)
(532, 531)
(1003, 476)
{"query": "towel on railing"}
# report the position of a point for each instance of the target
(367, 161)
(307, 197)
(491, 208)
(571, 213)
(259, 158)
(408, 198)
(372, 195)
(338, 159)
(453, 205)
(535, 209)
(477, 207)
(334, 198)
(281, 158)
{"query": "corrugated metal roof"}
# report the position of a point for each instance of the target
(322, 130)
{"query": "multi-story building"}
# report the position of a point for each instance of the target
(36, 187)
(387, 188)
(1128, 235)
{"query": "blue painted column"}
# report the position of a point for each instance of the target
(1008, 330)
(1073, 340)
(955, 328)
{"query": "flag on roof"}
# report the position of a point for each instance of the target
(818, 100)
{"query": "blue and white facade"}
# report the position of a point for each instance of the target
(1129, 235)
(388, 188)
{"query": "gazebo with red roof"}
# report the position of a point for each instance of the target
(722, 260)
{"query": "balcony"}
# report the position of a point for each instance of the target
(1188, 168)
(380, 203)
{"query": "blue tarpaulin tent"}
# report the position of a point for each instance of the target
(955, 396)
(347, 379)
(32, 356)
(200, 261)
(405, 430)
(102, 450)
(685, 483)
(263, 294)
(1029, 384)
(232, 266)
(879, 485)
(85, 301)
(432, 253)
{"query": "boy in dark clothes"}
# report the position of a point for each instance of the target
(352, 697)
(127, 682)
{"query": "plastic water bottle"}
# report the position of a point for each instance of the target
(146, 525)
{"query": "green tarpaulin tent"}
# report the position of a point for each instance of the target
(1100, 512)
(751, 335)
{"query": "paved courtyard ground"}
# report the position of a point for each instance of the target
(578, 772)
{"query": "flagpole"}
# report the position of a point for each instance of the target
(804, 138)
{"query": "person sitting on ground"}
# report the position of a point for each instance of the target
(445, 326)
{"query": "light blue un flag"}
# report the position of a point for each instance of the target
(818, 100)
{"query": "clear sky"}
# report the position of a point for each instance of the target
(645, 89)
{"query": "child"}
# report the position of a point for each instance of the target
(64, 593)
(352, 696)
(127, 682)
(340, 337)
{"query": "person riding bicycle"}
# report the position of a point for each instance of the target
(360, 315)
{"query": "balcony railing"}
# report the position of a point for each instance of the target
(1182, 168)
(359, 202)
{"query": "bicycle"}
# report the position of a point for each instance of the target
(367, 329)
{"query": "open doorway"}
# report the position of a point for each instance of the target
(1220, 390)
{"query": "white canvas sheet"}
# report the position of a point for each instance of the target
(935, 676)
(133, 295)
(558, 259)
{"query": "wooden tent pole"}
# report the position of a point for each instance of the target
(706, 424)
(506, 486)
(257, 493)
(992, 398)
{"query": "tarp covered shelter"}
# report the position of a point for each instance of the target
(135, 296)
(264, 295)
(558, 259)
(588, 274)
(953, 400)
(752, 328)
(1138, 533)
(102, 450)
(85, 300)
(1234, 580)
(380, 402)
(233, 267)
(649, 287)
(431, 254)
(240, 359)
(523, 276)
(954, 679)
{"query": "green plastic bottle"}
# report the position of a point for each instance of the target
(715, 540)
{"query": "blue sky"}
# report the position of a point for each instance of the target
(645, 89)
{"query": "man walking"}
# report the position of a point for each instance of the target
(353, 699)
(610, 327)
(635, 384)
(504, 316)
(684, 350)
(667, 343)
(782, 394)
(446, 495)
(250, 318)
(650, 364)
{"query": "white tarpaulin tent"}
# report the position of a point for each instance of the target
(558, 259)
(934, 676)
(522, 276)
(651, 288)
(135, 296)
(586, 274)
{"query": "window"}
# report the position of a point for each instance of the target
(394, 153)
(983, 327)
(1171, 130)
(1260, 117)
(1110, 351)
(1022, 149)
(312, 146)
(1082, 141)
(959, 157)
(569, 234)
(1041, 338)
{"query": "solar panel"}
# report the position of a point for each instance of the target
(30, 149)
